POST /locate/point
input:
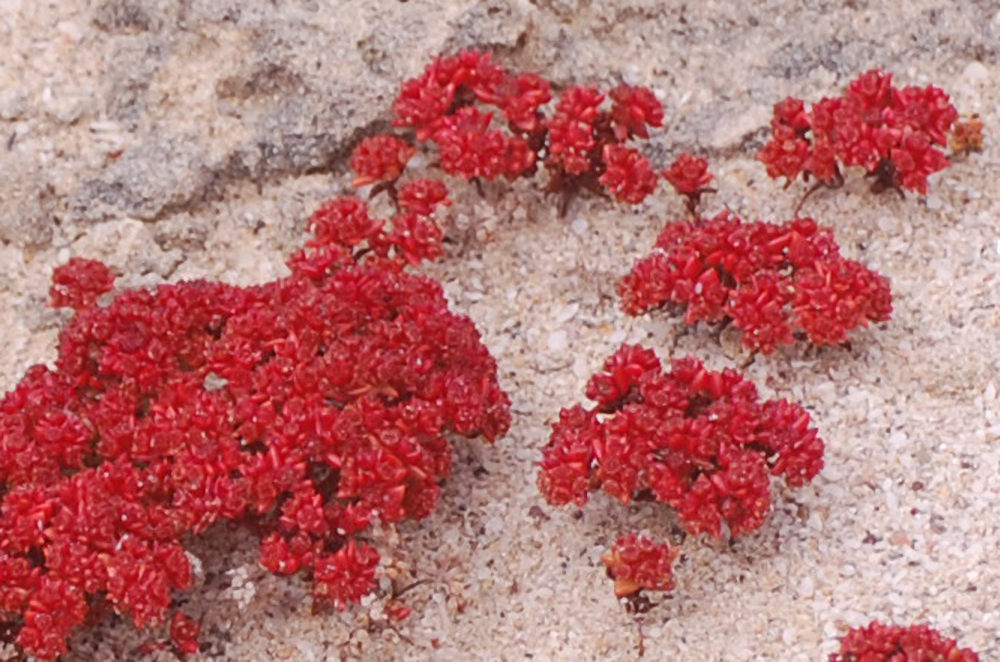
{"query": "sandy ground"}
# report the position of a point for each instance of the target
(192, 138)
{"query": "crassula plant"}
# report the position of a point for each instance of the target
(689, 177)
(698, 440)
(894, 134)
(636, 563)
(777, 283)
(486, 122)
(877, 642)
(307, 409)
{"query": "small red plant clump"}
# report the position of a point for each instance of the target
(777, 283)
(581, 144)
(689, 176)
(637, 563)
(698, 440)
(305, 408)
(893, 643)
(79, 283)
(380, 159)
(893, 133)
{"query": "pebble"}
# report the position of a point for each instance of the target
(631, 75)
(899, 539)
(558, 341)
(13, 105)
(70, 31)
(975, 72)
(567, 312)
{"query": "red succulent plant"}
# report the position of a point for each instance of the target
(776, 283)
(581, 144)
(698, 440)
(895, 134)
(305, 408)
(877, 642)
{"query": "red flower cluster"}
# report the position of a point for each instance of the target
(893, 643)
(637, 563)
(380, 159)
(690, 177)
(627, 174)
(688, 174)
(343, 229)
(698, 440)
(891, 132)
(581, 145)
(79, 283)
(586, 145)
(775, 282)
(304, 408)
(438, 105)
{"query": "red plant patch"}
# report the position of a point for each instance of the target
(776, 283)
(689, 176)
(894, 643)
(487, 122)
(698, 440)
(637, 563)
(305, 408)
(893, 133)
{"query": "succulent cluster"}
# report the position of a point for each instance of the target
(776, 283)
(305, 408)
(636, 563)
(698, 440)
(895, 643)
(487, 122)
(689, 177)
(895, 134)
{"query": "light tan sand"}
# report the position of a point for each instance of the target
(192, 138)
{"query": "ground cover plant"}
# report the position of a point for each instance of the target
(894, 133)
(697, 440)
(877, 642)
(306, 409)
(777, 283)
(486, 122)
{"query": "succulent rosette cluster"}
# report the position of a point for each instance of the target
(777, 283)
(306, 408)
(636, 563)
(895, 134)
(487, 122)
(698, 440)
(877, 642)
